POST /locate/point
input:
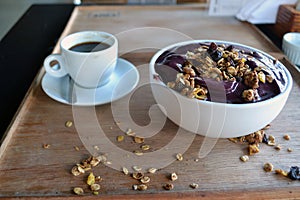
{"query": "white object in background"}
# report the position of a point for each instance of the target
(291, 47)
(261, 11)
(77, 2)
(225, 7)
(298, 5)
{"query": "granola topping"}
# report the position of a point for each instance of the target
(244, 76)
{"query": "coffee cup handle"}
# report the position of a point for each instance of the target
(57, 70)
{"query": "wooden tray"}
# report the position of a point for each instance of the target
(27, 169)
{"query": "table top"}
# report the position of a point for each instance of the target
(39, 151)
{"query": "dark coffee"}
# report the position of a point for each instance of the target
(89, 47)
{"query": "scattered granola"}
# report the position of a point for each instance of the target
(253, 149)
(140, 187)
(76, 148)
(137, 175)
(289, 149)
(129, 132)
(281, 172)
(125, 170)
(278, 147)
(268, 167)
(287, 137)
(91, 179)
(136, 168)
(145, 179)
(173, 176)
(194, 185)
(244, 158)
(139, 140)
(271, 140)
(145, 147)
(95, 187)
(78, 190)
(120, 138)
(168, 186)
(152, 170)
(46, 146)
(69, 124)
(179, 156)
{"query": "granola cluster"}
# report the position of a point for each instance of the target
(240, 71)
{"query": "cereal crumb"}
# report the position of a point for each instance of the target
(76, 148)
(289, 149)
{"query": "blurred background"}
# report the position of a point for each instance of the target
(12, 10)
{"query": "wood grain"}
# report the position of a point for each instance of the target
(28, 170)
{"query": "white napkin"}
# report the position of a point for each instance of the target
(261, 11)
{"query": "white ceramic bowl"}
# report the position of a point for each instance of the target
(212, 119)
(291, 47)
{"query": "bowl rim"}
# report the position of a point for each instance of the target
(286, 90)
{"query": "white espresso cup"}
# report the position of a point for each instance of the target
(88, 57)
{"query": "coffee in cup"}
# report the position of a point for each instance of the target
(88, 57)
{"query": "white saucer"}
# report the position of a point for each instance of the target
(123, 80)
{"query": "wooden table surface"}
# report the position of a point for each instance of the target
(29, 170)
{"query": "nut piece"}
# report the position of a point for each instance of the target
(168, 186)
(244, 158)
(78, 190)
(179, 156)
(287, 137)
(194, 185)
(289, 149)
(268, 167)
(69, 124)
(95, 187)
(173, 176)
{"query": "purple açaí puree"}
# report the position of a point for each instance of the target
(204, 70)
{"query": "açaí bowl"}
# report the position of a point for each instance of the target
(214, 119)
